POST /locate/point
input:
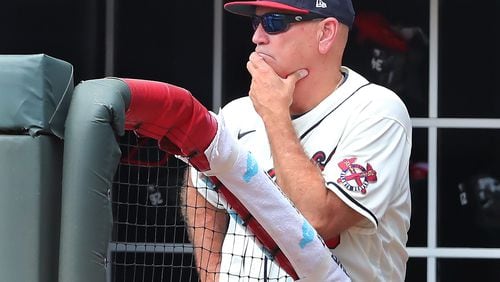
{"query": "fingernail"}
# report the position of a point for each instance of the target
(303, 73)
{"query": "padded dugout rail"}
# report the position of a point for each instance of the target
(34, 95)
(91, 157)
(35, 91)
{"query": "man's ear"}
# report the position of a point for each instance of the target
(326, 34)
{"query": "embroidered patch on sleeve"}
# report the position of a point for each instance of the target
(355, 177)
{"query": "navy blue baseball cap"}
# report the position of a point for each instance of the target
(342, 10)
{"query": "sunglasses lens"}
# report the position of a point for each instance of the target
(272, 23)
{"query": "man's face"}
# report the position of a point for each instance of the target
(288, 51)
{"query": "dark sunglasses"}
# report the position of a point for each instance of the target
(274, 23)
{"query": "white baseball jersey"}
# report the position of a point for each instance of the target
(360, 136)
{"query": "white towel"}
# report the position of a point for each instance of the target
(240, 173)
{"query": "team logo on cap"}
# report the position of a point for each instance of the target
(355, 177)
(320, 4)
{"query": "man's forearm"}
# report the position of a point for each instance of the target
(296, 174)
(303, 182)
(206, 227)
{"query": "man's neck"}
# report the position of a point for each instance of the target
(310, 92)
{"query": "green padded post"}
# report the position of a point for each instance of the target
(91, 156)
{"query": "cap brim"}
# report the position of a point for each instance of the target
(247, 8)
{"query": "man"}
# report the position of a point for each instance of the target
(337, 145)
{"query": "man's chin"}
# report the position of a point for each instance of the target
(271, 61)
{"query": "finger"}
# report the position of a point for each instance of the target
(258, 62)
(298, 75)
(250, 67)
(254, 57)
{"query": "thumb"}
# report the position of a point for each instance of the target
(298, 75)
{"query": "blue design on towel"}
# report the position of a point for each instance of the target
(252, 168)
(308, 234)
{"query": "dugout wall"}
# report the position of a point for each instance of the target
(56, 182)
(34, 92)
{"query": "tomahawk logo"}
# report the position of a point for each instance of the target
(320, 4)
(355, 177)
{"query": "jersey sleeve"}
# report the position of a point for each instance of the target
(369, 170)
